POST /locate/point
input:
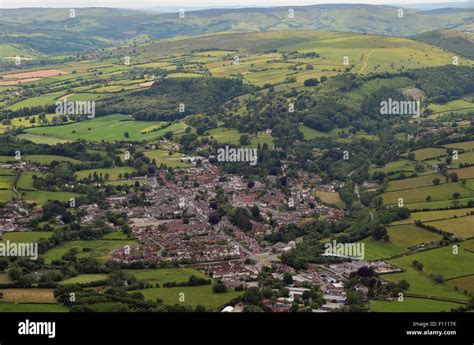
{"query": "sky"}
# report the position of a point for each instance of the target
(194, 3)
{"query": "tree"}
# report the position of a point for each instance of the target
(311, 82)
(380, 233)
(252, 296)
(287, 279)
(219, 288)
(244, 139)
(454, 177)
(241, 218)
(436, 181)
(126, 135)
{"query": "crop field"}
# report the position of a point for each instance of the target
(5, 181)
(43, 100)
(6, 195)
(193, 296)
(410, 304)
(163, 157)
(464, 173)
(166, 275)
(28, 295)
(113, 172)
(28, 122)
(107, 128)
(435, 215)
(25, 236)
(410, 235)
(462, 226)
(99, 249)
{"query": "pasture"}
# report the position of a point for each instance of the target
(32, 308)
(166, 275)
(434, 215)
(462, 227)
(410, 235)
(375, 250)
(41, 197)
(84, 278)
(101, 172)
(25, 236)
(411, 304)
(163, 157)
(331, 198)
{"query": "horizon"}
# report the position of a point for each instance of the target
(203, 4)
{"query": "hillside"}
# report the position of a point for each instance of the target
(452, 40)
(43, 29)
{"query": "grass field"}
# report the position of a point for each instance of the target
(84, 278)
(232, 136)
(331, 198)
(461, 227)
(410, 304)
(462, 283)
(47, 159)
(32, 308)
(193, 296)
(433, 205)
(25, 236)
(25, 182)
(100, 249)
(6, 195)
(422, 284)
(5, 181)
(430, 152)
(465, 145)
(399, 165)
(163, 157)
(42, 139)
(115, 236)
(108, 128)
(434, 215)
(166, 275)
(410, 235)
(375, 250)
(441, 192)
(464, 173)
(415, 182)
(441, 261)
(4, 278)
(113, 172)
(41, 197)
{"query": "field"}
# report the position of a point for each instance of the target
(25, 182)
(28, 295)
(25, 236)
(193, 296)
(232, 136)
(166, 275)
(399, 165)
(84, 278)
(42, 139)
(415, 182)
(100, 249)
(462, 283)
(410, 235)
(374, 250)
(113, 172)
(107, 128)
(163, 157)
(441, 261)
(41, 197)
(465, 145)
(410, 304)
(462, 227)
(434, 215)
(464, 173)
(47, 159)
(430, 152)
(330, 198)
(31, 308)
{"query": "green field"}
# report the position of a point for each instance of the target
(47, 159)
(399, 165)
(410, 304)
(113, 172)
(163, 157)
(375, 250)
(84, 278)
(331, 198)
(25, 236)
(25, 182)
(441, 261)
(410, 235)
(232, 136)
(41, 197)
(166, 275)
(462, 283)
(415, 182)
(100, 249)
(465, 145)
(42, 139)
(430, 152)
(32, 308)
(434, 215)
(193, 296)
(108, 128)
(462, 227)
